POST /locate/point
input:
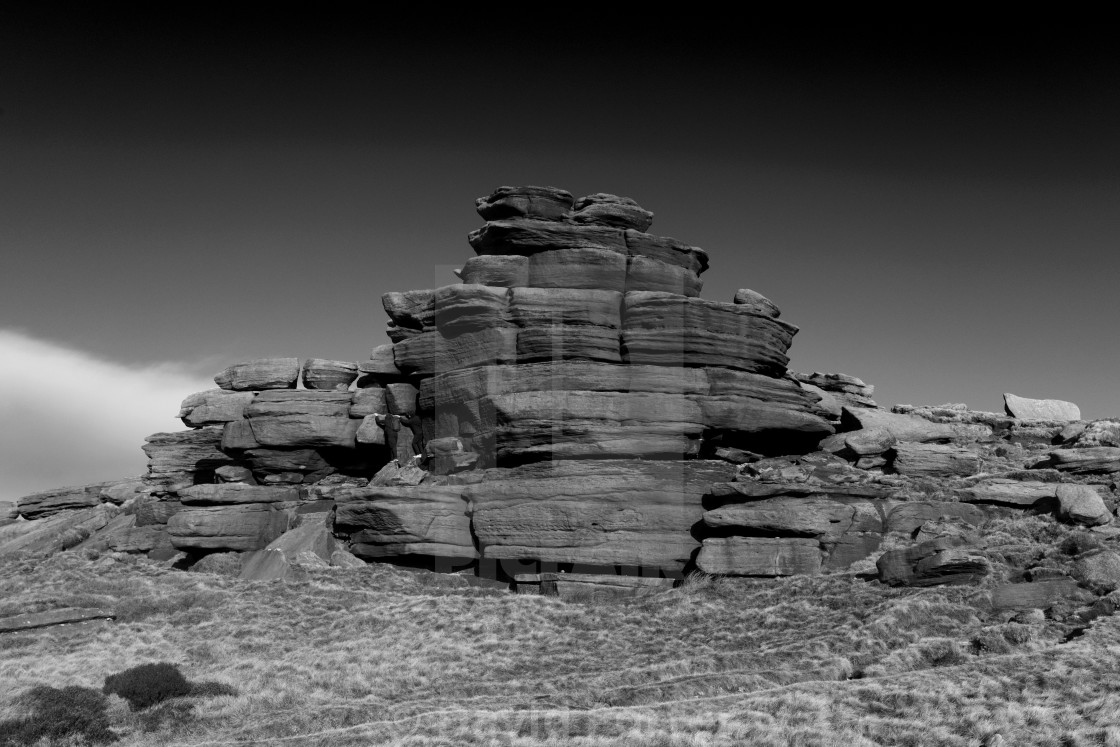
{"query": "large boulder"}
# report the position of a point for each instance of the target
(237, 492)
(540, 203)
(1006, 492)
(319, 373)
(238, 527)
(1095, 459)
(261, 373)
(308, 545)
(177, 460)
(611, 210)
(214, 407)
(1040, 409)
(386, 522)
(1081, 504)
(944, 561)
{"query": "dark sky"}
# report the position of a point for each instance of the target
(936, 211)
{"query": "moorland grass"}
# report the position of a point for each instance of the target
(374, 656)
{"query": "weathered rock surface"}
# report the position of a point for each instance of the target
(1097, 459)
(308, 545)
(278, 403)
(944, 561)
(543, 203)
(611, 210)
(668, 329)
(934, 460)
(63, 616)
(319, 373)
(368, 401)
(261, 373)
(759, 556)
(902, 427)
(177, 460)
(239, 527)
(909, 516)
(305, 431)
(504, 271)
(1019, 493)
(236, 492)
(612, 512)
(1040, 409)
(1081, 504)
(214, 407)
(844, 389)
(49, 502)
(52, 534)
(757, 302)
(399, 521)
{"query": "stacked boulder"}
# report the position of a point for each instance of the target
(237, 479)
(572, 392)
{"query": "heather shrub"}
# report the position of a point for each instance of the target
(57, 714)
(210, 689)
(148, 684)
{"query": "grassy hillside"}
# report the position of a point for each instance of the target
(381, 655)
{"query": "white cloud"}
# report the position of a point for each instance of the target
(69, 418)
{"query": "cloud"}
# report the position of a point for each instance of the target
(69, 418)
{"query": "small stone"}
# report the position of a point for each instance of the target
(1040, 409)
(234, 473)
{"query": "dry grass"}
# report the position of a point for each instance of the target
(384, 656)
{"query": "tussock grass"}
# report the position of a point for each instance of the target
(383, 656)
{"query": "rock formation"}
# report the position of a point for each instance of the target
(573, 416)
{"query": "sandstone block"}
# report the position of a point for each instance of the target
(392, 521)
(568, 342)
(902, 427)
(1091, 460)
(332, 404)
(534, 307)
(817, 517)
(260, 373)
(469, 308)
(511, 203)
(231, 474)
(944, 561)
(665, 249)
(371, 432)
(306, 431)
(239, 527)
(236, 492)
(319, 373)
(666, 329)
(611, 210)
(308, 544)
(414, 309)
(48, 502)
(870, 441)
(759, 556)
(1006, 492)
(579, 268)
(1040, 409)
(909, 516)
(531, 237)
(503, 271)
(184, 458)
(647, 274)
(368, 401)
(934, 460)
(757, 302)
(214, 407)
(431, 352)
(612, 512)
(1098, 569)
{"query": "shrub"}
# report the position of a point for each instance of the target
(145, 685)
(60, 714)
